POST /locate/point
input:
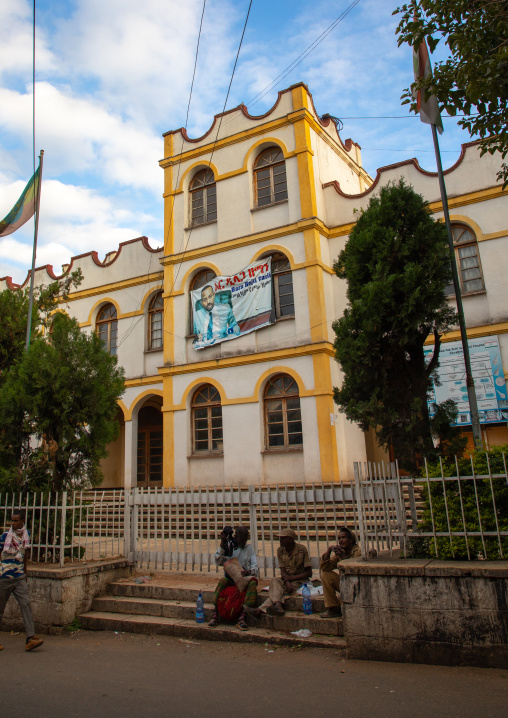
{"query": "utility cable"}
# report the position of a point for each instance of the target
(298, 60)
(216, 138)
(135, 322)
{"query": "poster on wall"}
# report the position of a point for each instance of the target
(488, 375)
(229, 307)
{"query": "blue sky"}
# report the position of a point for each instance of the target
(113, 75)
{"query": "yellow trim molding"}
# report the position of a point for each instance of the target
(143, 381)
(115, 286)
(139, 398)
(193, 270)
(255, 238)
(486, 330)
(244, 359)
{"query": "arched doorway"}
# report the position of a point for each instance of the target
(150, 445)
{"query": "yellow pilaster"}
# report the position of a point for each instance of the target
(168, 417)
(168, 429)
(324, 407)
(316, 293)
(304, 158)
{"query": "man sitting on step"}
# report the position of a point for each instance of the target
(347, 547)
(227, 593)
(295, 569)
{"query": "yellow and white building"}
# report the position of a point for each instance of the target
(259, 408)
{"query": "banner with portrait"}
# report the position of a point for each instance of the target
(229, 307)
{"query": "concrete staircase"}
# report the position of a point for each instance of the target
(156, 608)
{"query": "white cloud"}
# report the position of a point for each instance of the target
(73, 220)
(79, 135)
(17, 40)
(112, 76)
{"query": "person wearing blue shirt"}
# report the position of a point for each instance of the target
(14, 544)
(213, 320)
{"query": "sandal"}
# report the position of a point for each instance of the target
(214, 621)
(242, 624)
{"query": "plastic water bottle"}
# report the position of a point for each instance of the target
(200, 609)
(307, 602)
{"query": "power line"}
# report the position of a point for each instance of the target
(405, 117)
(301, 57)
(186, 117)
(135, 322)
(216, 135)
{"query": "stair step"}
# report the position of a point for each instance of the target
(168, 593)
(291, 621)
(132, 623)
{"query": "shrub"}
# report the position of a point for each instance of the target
(476, 503)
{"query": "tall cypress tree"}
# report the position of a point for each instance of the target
(396, 264)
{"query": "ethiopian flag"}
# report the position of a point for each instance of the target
(428, 108)
(23, 209)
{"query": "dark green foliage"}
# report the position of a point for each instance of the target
(480, 509)
(396, 264)
(14, 313)
(474, 79)
(58, 409)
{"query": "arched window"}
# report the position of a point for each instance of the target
(150, 446)
(270, 184)
(200, 280)
(107, 327)
(155, 312)
(468, 260)
(283, 416)
(284, 300)
(206, 421)
(203, 194)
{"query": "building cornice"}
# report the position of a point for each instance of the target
(275, 355)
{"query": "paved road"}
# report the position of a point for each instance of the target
(88, 674)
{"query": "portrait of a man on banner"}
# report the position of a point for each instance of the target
(231, 306)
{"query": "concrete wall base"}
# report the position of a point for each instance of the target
(439, 612)
(58, 595)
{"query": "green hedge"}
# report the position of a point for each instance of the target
(477, 509)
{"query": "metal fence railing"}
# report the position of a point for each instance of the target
(443, 514)
(179, 528)
(447, 514)
(69, 526)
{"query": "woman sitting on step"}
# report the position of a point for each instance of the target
(238, 587)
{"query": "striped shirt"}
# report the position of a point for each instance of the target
(11, 565)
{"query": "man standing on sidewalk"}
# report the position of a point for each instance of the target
(14, 544)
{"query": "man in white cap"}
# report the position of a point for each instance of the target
(295, 569)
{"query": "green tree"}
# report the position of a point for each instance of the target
(58, 409)
(474, 79)
(14, 313)
(396, 264)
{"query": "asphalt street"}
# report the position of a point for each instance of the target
(88, 674)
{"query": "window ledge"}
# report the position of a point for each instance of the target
(285, 450)
(286, 318)
(474, 294)
(205, 456)
(197, 226)
(272, 204)
(154, 351)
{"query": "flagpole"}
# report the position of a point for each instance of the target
(31, 293)
(471, 392)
